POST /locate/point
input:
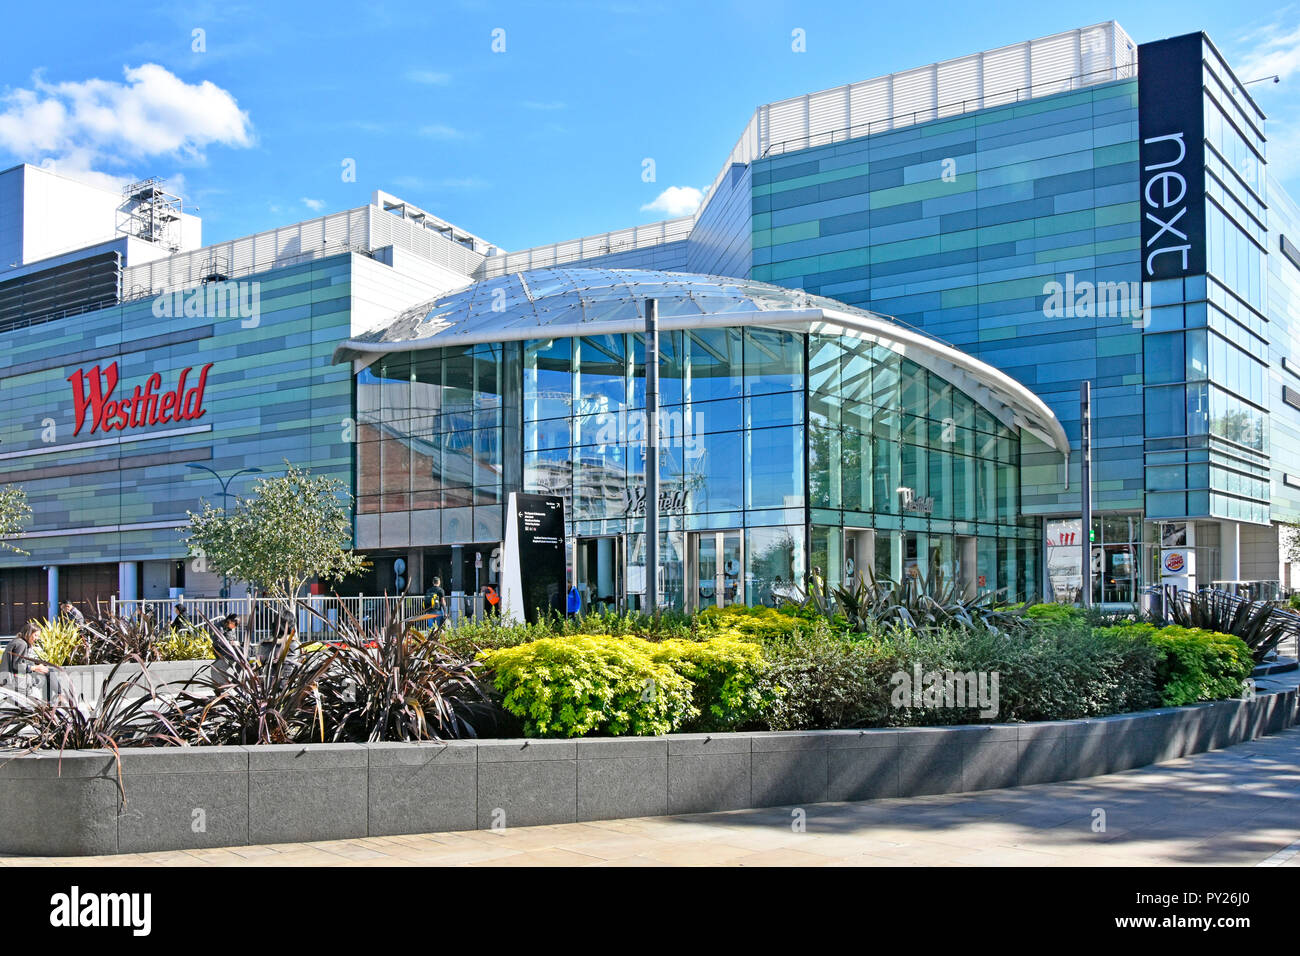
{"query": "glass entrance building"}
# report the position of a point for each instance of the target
(796, 432)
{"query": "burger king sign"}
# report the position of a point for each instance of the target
(1177, 566)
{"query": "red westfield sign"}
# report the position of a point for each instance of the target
(93, 392)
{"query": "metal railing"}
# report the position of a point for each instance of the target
(1070, 84)
(329, 611)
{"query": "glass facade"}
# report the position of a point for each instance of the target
(777, 448)
(1206, 346)
(430, 441)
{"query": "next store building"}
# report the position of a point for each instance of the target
(957, 247)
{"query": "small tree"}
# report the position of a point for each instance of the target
(14, 513)
(293, 528)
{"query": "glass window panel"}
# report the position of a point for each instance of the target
(719, 416)
(1163, 358)
(773, 361)
(780, 408)
(714, 478)
(715, 364)
(1166, 412)
(601, 380)
(548, 379)
(774, 468)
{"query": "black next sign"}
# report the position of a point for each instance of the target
(541, 552)
(1171, 127)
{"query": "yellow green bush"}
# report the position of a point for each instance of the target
(726, 674)
(57, 642)
(185, 644)
(589, 684)
(741, 621)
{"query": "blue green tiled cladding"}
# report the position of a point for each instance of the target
(271, 394)
(958, 227)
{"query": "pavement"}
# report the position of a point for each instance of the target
(1233, 807)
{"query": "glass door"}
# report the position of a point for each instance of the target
(600, 573)
(717, 569)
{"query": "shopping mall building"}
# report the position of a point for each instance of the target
(873, 334)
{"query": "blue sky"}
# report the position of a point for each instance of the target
(541, 142)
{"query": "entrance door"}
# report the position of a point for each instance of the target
(717, 569)
(599, 573)
(859, 555)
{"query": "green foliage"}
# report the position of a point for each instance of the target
(1054, 613)
(1252, 621)
(189, 643)
(14, 513)
(726, 674)
(589, 684)
(492, 632)
(917, 602)
(294, 527)
(819, 680)
(741, 621)
(1063, 673)
(57, 642)
(1200, 665)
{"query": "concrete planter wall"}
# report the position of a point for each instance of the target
(166, 675)
(186, 798)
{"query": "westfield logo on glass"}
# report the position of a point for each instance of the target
(92, 396)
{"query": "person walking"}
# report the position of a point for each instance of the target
(574, 603)
(179, 620)
(436, 598)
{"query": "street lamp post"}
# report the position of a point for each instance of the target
(225, 503)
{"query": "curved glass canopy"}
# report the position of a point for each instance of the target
(560, 303)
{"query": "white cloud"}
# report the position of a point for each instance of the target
(442, 131)
(316, 205)
(675, 201)
(1272, 50)
(81, 126)
(545, 106)
(428, 77)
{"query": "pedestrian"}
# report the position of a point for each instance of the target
(574, 604)
(69, 611)
(491, 601)
(228, 628)
(436, 598)
(179, 620)
(20, 656)
(282, 651)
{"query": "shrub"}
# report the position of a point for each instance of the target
(818, 680)
(915, 601)
(191, 643)
(1066, 674)
(57, 642)
(738, 621)
(1252, 621)
(470, 637)
(725, 673)
(1200, 665)
(396, 683)
(581, 684)
(1054, 613)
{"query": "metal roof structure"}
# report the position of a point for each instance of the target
(567, 303)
